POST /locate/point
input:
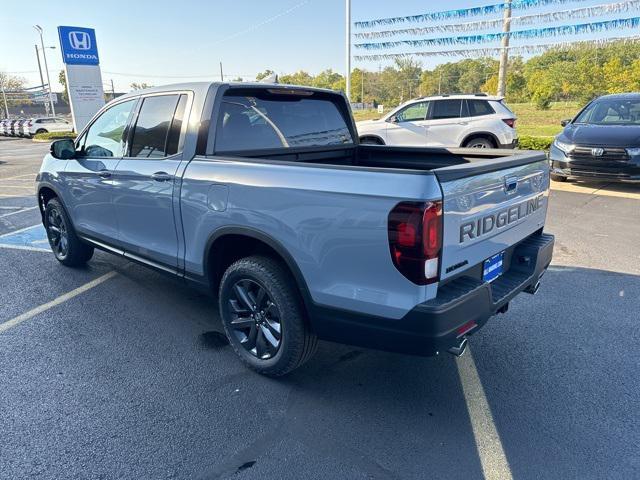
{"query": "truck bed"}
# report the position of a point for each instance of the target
(448, 164)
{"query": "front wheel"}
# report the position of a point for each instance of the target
(263, 316)
(67, 247)
(558, 178)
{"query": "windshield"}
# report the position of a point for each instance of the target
(611, 112)
(265, 121)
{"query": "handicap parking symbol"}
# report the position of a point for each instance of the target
(30, 238)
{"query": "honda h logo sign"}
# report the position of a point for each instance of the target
(78, 45)
(597, 152)
(79, 40)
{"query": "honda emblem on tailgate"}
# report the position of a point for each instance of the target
(597, 152)
(79, 40)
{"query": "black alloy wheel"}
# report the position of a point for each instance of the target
(57, 232)
(263, 316)
(255, 319)
(67, 247)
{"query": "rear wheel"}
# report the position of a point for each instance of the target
(371, 141)
(41, 130)
(263, 316)
(479, 142)
(67, 247)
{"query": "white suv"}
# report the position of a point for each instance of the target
(47, 124)
(476, 121)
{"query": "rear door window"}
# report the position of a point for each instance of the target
(261, 119)
(446, 109)
(478, 108)
(151, 131)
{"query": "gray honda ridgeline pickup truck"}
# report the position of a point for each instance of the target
(262, 194)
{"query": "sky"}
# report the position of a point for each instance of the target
(160, 42)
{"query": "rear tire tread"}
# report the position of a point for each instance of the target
(79, 253)
(301, 342)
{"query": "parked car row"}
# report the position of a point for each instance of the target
(28, 127)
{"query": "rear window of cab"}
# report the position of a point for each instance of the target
(271, 119)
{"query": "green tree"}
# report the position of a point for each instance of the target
(140, 86)
(62, 78)
(14, 91)
(264, 74)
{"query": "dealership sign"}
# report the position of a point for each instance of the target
(82, 69)
(78, 46)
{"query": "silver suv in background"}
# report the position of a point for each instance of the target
(476, 121)
(46, 124)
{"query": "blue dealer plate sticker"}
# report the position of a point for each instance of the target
(492, 267)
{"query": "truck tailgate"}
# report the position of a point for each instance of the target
(489, 206)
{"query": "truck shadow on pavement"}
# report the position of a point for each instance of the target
(129, 370)
(556, 371)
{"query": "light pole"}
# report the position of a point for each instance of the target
(46, 68)
(348, 47)
(504, 53)
(40, 67)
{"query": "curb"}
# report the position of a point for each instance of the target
(49, 140)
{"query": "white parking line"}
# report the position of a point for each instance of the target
(19, 211)
(492, 458)
(20, 230)
(32, 175)
(57, 301)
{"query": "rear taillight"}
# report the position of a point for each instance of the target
(415, 240)
(29, 123)
(510, 122)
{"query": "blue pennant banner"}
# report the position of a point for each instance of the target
(460, 13)
(493, 51)
(633, 22)
(530, 19)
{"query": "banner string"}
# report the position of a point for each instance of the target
(531, 19)
(461, 13)
(492, 51)
(633, 22)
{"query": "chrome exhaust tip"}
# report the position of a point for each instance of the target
(459, 350)
(533, 289)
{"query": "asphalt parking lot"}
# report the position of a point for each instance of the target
(114, 371)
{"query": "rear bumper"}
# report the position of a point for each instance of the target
(433, 326)
(511, 145)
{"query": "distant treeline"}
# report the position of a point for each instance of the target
(575, 74)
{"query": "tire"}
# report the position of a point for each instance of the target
(263, 316)
(67, 247)
(558, 178)
(41, 130)
(371, 141)
(479, 142)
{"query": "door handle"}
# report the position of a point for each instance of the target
(161, 177)
(104, 174)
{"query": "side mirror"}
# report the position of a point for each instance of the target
(393, 119)
(63, 149)
(565, 122)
